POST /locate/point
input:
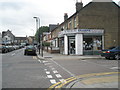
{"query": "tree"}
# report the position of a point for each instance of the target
(41, 30)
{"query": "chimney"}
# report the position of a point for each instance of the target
(65, 16)
(79, 5)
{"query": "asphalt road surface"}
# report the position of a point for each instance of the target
(20, 71)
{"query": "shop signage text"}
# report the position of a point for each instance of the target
(82, 31)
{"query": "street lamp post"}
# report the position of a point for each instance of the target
(42, 44)
(33, 36)
(40, 35)
(37, 28)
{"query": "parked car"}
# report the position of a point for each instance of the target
(30, 50)
(0, 49)
(3, 49)
(112, 53)
(16, 47)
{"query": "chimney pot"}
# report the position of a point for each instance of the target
(79, 5)
(65, 16)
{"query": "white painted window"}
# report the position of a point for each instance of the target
(75, 23)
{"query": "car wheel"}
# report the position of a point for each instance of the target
(117, 56)
(24, 53)
(107, 57)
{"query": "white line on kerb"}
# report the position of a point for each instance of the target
(53, 81)
(49, 76)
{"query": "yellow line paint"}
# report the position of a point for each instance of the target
(60, 84)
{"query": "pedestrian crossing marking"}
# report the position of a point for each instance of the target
(49, 76)
(53, 81)
(58, 76)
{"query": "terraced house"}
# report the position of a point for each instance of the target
(90, 29)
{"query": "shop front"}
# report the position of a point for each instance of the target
(81, 41)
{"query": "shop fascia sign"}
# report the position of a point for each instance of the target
(82, 31)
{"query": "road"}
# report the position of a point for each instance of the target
(19, 71)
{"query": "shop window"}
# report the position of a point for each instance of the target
(92, 43)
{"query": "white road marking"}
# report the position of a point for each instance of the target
(55, 71)
(47, 72)
(45, 69)
(63, 68)
(58, 75)
(50, 66)
(53, 68)
(45, 61)
(62, 80)
(49, 76)
(39, 61)
(53, 81)
(115, 68)
(13, 54)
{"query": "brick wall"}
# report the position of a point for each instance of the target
(101, 15)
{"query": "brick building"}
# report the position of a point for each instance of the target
(7, 37)
(90, 29)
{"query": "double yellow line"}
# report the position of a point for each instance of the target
(66, 81)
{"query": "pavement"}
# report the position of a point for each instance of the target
(101, 80)
(68, 57)
(93, 80)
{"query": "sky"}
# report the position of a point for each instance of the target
(17, 15)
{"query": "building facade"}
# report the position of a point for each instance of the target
(91, 28)
(19, 40)
(0, 39)
(7, 37)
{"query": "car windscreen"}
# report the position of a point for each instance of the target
(116, 48)
(30, 47)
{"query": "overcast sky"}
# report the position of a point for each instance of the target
(17, 15)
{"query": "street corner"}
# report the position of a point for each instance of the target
(40, 57)
(91, 57)
(35, 57)
(104, 79)
(92, 80)
(97, 80)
